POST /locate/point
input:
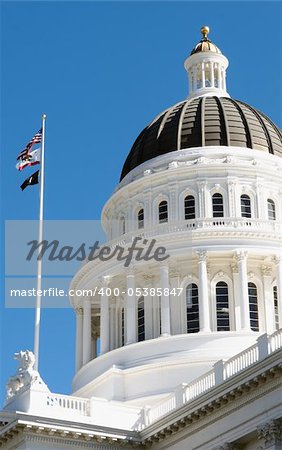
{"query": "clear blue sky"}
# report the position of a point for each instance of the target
(101, 71)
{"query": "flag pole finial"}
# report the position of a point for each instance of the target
(44, 116)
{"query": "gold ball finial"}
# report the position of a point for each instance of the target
(205, 31)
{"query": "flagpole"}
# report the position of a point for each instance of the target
(40, 238)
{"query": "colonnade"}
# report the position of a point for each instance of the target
(207, 74)
(240, 272)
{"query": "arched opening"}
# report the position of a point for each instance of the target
(246, 210)
(192, 308)
(253, 304)
(275, 305)
(140, 217)
(222, 306)
(189, 207)
(217, 205)
(122, 225)
(122, 326)
(141, 319)
(163, 212)
(271, 209)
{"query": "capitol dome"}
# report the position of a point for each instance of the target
(204, 121)
(208, 117)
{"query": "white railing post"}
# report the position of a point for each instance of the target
(145, 416)
(262, 346)
(180, 395)
(219, 372)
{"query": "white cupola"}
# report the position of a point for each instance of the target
(206, 67)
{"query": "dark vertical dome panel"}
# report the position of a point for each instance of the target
(205, 121)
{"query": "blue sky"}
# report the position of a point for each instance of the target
(101, 71)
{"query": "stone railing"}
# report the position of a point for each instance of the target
(72, 405)
(99, 411)
(198, 224)
(221, 372)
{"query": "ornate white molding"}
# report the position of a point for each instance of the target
(271, 431)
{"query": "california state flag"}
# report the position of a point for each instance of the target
(31, 159)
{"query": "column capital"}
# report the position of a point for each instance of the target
(130, 271)
(202, 255)
(266, 271)
(276, 259)
(235, 268)
(270, 431)
(241, 255)
(79, 311)
(201, 184)
(105, 280)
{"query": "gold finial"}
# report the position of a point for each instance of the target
(205, 31)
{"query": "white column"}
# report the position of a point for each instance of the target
(278, 262)
(105, 320)
(190, 81)
(203, 74)
(268, 299)
(86, 331)
(231, 198)
(224, 79)
(147, 208)
(194, 78)
(219, 76)
(203, 211)
(237, 304)
(165, 303)
(79, 328)
(130, 309)
(173, 204)
(204, 306)
(212, 73)
(149, 307)
(241, 257)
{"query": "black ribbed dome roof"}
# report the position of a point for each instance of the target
(204, 121)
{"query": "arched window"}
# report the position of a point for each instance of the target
(217, 205)
(276, 312)
(271, 209)
(189, 207)
(163, 212)
(122, 225)
(122, 326)
(141, 319)
(141, 218)
(253, 303)
(246, 210)
(192, 308)
(222, 306)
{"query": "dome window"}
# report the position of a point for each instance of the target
(246, 210)
(163, 212)
(217, 205)
(189, 207)
(253, 303)
(271, 209)
(192, 308)
(141, 319)
(122, 326)
(276, 312)
(222, 307)
(140, 217)
(122, 225)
